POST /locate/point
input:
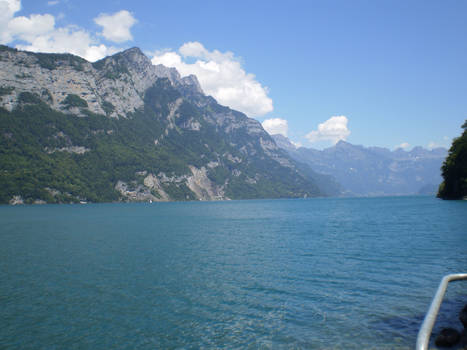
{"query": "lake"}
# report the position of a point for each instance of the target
(325, 273)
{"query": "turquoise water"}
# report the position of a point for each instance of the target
(270, 274)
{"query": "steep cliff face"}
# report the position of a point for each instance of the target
(124, 129)
(113, 86)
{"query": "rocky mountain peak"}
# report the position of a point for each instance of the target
(134, 58)
(132, 52)
(129, 60)
(343, 144)
(192, 83)
(137, 62)
(57, 76)
(283, 142)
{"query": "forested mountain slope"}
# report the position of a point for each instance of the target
(124, 129)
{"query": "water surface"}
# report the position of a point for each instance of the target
(269, 274)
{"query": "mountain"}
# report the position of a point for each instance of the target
(122, 129)
(454, 169)
(371, 171)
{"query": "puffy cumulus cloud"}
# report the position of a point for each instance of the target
(116, 27)
(28, 28)
(404, 145)
(38, 33)
(276, 126)
(71, 40)
(333, 129)
(8, 8)
(221, 75)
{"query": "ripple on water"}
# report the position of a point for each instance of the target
(284, 274)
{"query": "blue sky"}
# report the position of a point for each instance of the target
(377, 73)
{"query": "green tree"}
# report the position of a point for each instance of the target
(454, 169)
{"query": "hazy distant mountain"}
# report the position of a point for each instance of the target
(371, 171)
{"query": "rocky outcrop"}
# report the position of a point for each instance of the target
(153, 183)
(133, 192)
(151, 189)
(16, 200)
(447, 337)
(463, 316)
(69, 149)
(204, 189)
(154, 187)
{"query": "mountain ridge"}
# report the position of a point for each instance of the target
(124, 129)
(372, 171)
(97, 83)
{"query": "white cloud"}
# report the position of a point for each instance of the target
(196, 49)
(52, 3)
(445, 143)
(71, 40)
(404, 146)
(276, 126)
(8, 8)
(116, 27)
(38, 33)
(221, 75)
(28, 28)
(333, 129)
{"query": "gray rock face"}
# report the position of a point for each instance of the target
(152, 188)
(203, 187)
(70, 149)
(119, 80)
(16, 200)
(284, 143)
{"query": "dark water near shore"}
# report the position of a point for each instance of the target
(269, 274)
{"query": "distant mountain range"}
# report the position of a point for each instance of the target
(373, 171)
(122, 129)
